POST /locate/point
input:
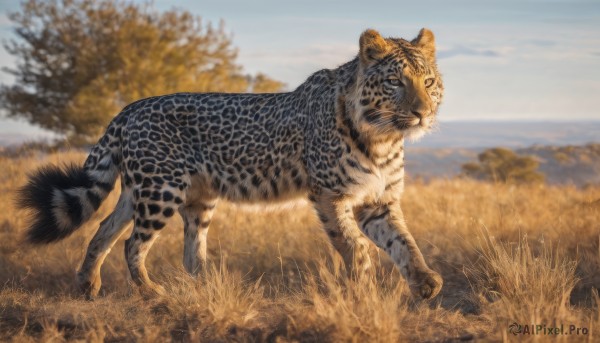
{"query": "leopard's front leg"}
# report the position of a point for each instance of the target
(340, 225)
(385, 226)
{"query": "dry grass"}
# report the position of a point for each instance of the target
(508, 254)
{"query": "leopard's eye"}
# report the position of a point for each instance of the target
(429, 82)
(394, 82)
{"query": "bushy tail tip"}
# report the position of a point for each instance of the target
(61, 199)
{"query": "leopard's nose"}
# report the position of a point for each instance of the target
(420, 109)
(421, 112)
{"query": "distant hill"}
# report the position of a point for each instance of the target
(566, 150)
(510, 134)
(577, 165)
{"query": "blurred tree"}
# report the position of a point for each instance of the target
(80, 61)
(503, 165)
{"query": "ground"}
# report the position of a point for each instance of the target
(523, 254)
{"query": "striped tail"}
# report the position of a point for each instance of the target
(61, 199)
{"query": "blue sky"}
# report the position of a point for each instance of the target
(501, 60)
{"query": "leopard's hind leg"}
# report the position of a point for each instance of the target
(111, 228)
(155, 203)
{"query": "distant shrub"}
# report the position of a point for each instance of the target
(561, 157)
(504, 165)
(587, 154)
(594, 148)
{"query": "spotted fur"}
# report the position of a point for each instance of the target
(338, 139)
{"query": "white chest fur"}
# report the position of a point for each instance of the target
(386, 174)
(370, 187)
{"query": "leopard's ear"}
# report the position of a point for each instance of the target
(372, 47)
(426, 42)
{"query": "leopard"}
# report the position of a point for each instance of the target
(336, 140)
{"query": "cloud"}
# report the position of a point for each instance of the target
(466, 51)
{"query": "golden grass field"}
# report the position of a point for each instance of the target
(525, 254)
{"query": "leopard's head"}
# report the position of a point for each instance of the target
(398, 87)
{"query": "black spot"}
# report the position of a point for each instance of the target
(157, 225)
(155, 196)
(167, 196)
(244, 191)
(363, 148)
(103, 167)
(144, 237)
(323, 218)
(148, 168)
(354, 164)
(168, 212)
(158, 180)
(216, 183)
(380, 216)
(128, 180)
(401, 240)
(116, 159)
(133, 165)
(141, 208)
(153, 208)
(147, 182)
(393, 183)
(274, 187)
(224, 189)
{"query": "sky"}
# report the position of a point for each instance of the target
(500, 60)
